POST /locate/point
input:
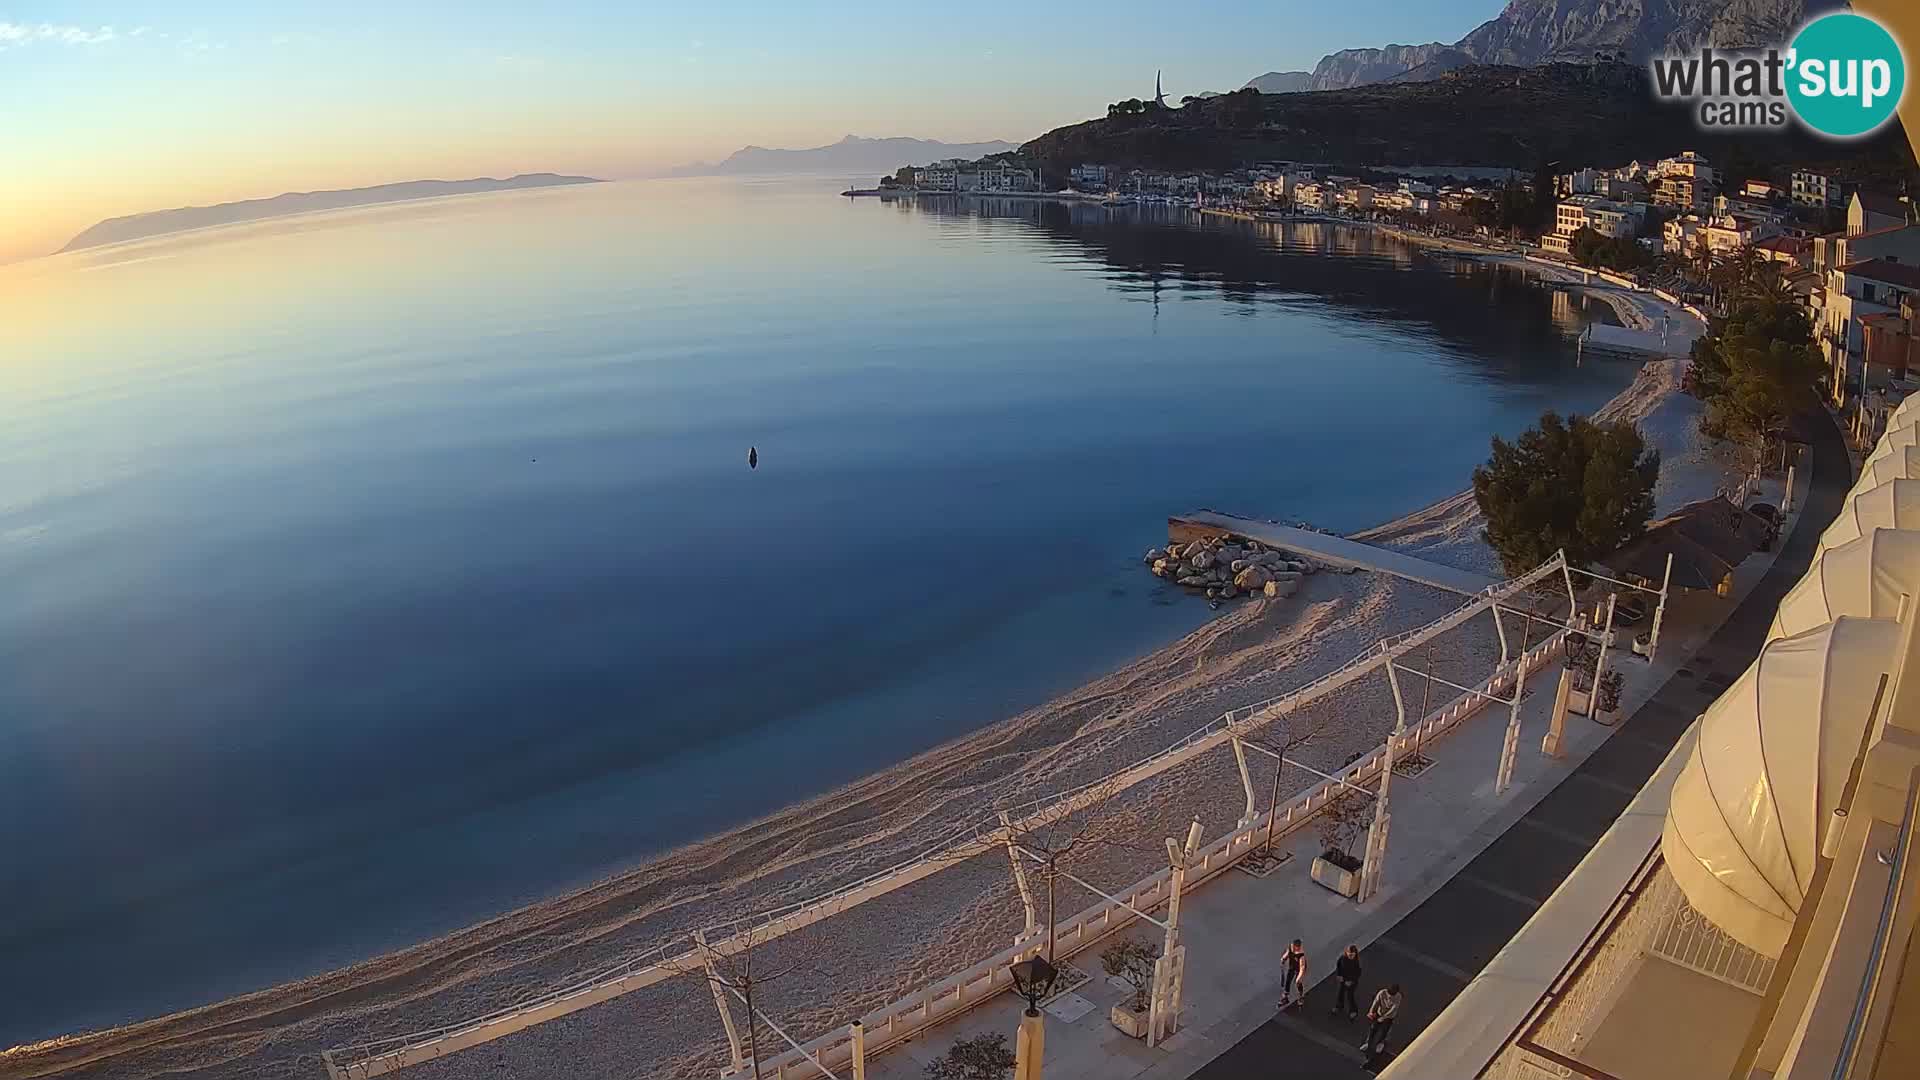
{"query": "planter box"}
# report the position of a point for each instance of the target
(1579, 702)
(1339, 879)
(1132, 1023)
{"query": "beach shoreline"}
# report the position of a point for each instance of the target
(806, 848)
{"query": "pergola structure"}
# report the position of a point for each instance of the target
(1234, 729)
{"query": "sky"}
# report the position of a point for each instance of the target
(114, 108)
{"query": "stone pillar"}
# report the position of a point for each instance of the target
(1028, 1047)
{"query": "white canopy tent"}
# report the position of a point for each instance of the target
(1893, 505)
(1870, 577)
(1751, 805)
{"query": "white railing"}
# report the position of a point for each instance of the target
(1686, 938)
(942, 1001)
(363, 1061)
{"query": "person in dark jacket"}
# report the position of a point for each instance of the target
(1346, 971)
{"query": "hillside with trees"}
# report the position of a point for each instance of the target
(1601, 113)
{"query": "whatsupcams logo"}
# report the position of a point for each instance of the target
(1843, 76)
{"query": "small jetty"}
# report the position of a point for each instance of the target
(1325, 549)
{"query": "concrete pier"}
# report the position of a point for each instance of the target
(1328, 550)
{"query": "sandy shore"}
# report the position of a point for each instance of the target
(874, 953)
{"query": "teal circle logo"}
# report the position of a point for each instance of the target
(1847, 75)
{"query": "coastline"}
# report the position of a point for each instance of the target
(1244, 655)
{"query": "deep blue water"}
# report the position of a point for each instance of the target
(367, 575)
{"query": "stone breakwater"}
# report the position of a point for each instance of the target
(1230, 567)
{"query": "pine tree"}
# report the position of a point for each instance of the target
(1573, 485)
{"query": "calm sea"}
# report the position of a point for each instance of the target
(365, 575)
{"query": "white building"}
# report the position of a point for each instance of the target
(1855, 292)
(1817, 189)
(1089, 176)
(1314, 196)
(1686, 181)
(1357, 196)
(1002, 176)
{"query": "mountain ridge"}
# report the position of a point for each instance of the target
(150, 223)
(851, 154)
(1281, 82)
(1528, 32)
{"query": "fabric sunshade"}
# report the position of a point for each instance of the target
(1749, 809)
(1868, 577)
(1892, 505)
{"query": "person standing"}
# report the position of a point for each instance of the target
(1293, 974)
(1386, 1006)
(1346, 971)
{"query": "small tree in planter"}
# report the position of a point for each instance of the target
(983, 1057)
(1133, 962)
(1607, 699)
(1342, 822)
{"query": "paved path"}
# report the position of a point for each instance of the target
(1332, 550)
(1438, 948)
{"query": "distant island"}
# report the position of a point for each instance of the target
(852, 154)
(180, 219)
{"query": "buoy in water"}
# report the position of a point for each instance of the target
(753, 457)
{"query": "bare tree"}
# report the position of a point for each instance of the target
(731, 971)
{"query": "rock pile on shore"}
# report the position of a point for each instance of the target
(1229, 567)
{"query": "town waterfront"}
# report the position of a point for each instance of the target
(375, 572)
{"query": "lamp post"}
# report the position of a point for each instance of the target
(1032, 979)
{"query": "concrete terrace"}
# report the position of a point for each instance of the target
(1465, 867)
(1330, 550)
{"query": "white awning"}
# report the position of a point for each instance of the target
(1904, 413)
(1893, 505)
(1868, 577)
(1901, 464)
(1895, 438)
(1751, 805)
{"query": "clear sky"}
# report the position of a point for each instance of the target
(116, 108)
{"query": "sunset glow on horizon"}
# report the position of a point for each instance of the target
(117, 109)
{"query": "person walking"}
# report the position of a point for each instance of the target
(1346, 971)
(1293, 974)
(1386, 1006)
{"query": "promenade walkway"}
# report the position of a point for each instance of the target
(1330, 550)
(1437, 948)
(1465, 868)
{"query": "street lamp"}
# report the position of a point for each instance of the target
(1032, 979)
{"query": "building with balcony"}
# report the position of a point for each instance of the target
(1685, 181)
(1817, 190)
